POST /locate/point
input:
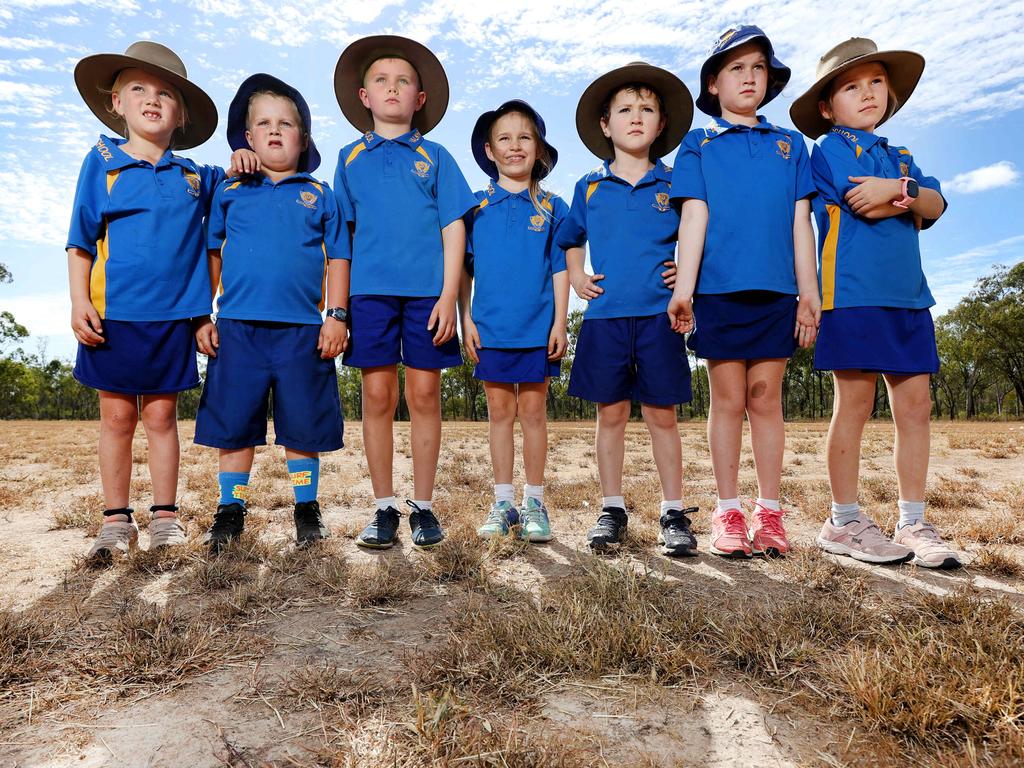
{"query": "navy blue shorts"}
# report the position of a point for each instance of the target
(631, 358)
(393, 329)
(746, 325)
(516, 366)
(877, 339)
(140, 358)
(254, 360)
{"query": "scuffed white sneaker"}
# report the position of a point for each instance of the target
(930, 551)
(118, 536)
(166, 531)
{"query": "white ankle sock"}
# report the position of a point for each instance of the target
(910, 512)
(772, 504)
(385, 502)
(666, 505)
(504, 492)
(724, 504)
(843, 514)
(533, 492)
(424, 504)
(614, 501)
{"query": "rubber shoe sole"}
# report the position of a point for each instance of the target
(680, 551)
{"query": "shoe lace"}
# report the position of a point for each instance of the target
(609, 520)
(308, 514)
(533, 514)
(226, 520)
(771, 520)
(734, 522)
(426, 516)
(496, 517)
(383, 518)
(679, 520)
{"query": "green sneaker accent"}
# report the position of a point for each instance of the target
(497, 522)
(536, 526)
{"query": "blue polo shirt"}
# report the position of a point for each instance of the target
(751, 178)
(866, 262)
(512, 255)
(632, 231)
(275, 240)
(400, 193)
(143, 226)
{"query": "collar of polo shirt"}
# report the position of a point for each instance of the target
(410, 139)
(862, 139)
(119, 159)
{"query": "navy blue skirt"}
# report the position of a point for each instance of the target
(140, 358)
(516, 366)
(877, 339)
(745, 325)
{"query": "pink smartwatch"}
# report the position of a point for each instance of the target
(910, 192)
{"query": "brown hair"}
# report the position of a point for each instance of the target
(121, 80)
(542, 165)
(639, 89)
(829, 91)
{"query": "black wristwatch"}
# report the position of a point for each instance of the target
(913, 189)
(338, 313)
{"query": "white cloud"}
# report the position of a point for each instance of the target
(1001, 174)
(27, 99)
(953, 277)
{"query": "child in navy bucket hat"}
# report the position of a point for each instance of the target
(515, 329)
(746, 274)
(278, 246)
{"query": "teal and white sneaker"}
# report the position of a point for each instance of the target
(535, 523)
(499, 520)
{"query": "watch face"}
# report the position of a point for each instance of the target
(912, 188)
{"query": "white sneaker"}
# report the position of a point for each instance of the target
(118, 536)
(166, 531)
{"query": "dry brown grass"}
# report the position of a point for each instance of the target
(386, 582)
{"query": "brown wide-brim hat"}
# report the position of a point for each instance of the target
(96, 74)
(904, 69)
(357, 58)
(675, 98)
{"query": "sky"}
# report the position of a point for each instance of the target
(964, 123)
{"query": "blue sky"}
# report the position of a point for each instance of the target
(964, 122)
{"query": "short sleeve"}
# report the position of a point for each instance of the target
(929, 182)
(341, 192)
(687, 171)
(89, 206)
(210, 177)
(454, 197)
(832, 165)
(216, 226)
(573, 230)
(559, 214)
(336, 239)
(805, 188)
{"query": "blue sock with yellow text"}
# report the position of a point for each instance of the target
(234, 487)
(305, 475)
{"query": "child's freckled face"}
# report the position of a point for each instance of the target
(275, 132)
(634, 121)
(859, 98)
(742, 80)
(391, 91)
(149, 106)
(513, 147)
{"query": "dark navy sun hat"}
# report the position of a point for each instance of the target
(733, 38)
(309, 160)
(482, 129)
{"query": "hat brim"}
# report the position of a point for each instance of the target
(482, 128)
(309, 160)
(780, 75)
(904, 68)
(100, 70)
(356, 59)
(675, 96)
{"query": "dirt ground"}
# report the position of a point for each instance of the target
(343, 657)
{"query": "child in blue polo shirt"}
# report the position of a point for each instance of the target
(746, 251)
(874, 200)
(275, 238)
(137, 274)
(515, 329)
(406, 198)
(626, 349)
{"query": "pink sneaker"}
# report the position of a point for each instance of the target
(729, 533)
(768, 536)
(862, 540)
(930, 551)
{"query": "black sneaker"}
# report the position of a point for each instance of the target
(425, 527)
(382, 532)
(228, 524)
(610, 528)
(309, 528)
(675, 538)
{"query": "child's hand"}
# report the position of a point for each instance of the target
(243, 162)
(471, 339)
(872, 192)
(442, 316)
(86, 323)
(586, 286)
(669, 275)
(558, 342)
(680, 313)
(808, 318)
(333, 338)
(207, 338)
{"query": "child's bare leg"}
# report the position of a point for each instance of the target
(236, 459)
(119, 415)
(160, 420)
(380, 398)
(911, 411)
(854, 400)
(611, 445)
(667, 448)
(728, 380)
(767, 429)
(533, 416)
(501, 417)
(423, 395)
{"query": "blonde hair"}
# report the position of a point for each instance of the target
(122, 80)
(541, 166)
(267, 92)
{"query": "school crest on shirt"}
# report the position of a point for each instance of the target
(307, 199)
(537, 223)
(904, 169)
(421, 168)
(783, 148)
(661, 201)
(194, 183)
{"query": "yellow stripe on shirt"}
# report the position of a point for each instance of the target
(423, 152)
(355, 152)
(591, 188)
(828, 258)
(98, 274)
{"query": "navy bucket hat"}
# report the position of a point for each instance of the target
(733, 38)
(482, 129)
(309, 160)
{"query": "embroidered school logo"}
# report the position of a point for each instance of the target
(421, 169)
(537, 223)
(193, 183)
(302, 478)
(782, 148)
(661, 201)
(728, 35)
(307, 199)
(904, 169)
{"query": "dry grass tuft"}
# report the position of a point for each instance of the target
(386, 582)
(458, 558)
(999, 562)
(950, 493)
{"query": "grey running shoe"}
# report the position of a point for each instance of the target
(118, 536)
(166, 530)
